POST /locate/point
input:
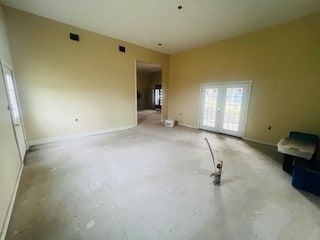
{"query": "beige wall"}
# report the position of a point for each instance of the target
(143, 88)
(60, 80)
(283, 61)
(155, 79)
(9, 156)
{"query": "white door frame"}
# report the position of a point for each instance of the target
(8, 66)
(245, 117)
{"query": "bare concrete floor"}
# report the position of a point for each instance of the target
(152, 182)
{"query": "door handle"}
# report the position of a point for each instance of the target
(16, 124)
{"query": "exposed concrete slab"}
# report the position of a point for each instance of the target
(152, 182)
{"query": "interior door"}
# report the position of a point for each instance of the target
(224, 108)
(14, 110)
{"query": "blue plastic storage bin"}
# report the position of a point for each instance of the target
(306, 179)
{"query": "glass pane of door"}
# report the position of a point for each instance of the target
(12, 98)
(210, 102)
(14, 110)
(232, 108)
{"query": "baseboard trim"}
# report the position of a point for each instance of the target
(189, 126)
(79, 135)
(9, 211)
(258, 141)
(244, 138)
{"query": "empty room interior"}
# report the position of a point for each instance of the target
(171, 119)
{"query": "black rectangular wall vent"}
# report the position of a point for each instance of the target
(74, 37)
(122, 49)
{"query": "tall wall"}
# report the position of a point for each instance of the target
(9, 156)
(284, 63)
(61, 80)
(143, 88)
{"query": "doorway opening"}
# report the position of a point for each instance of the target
(149, 92)
(224, 107)
(14, 108)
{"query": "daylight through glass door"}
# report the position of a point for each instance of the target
(224, 107)
(232, 110)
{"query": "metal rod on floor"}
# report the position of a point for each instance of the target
(210, 151)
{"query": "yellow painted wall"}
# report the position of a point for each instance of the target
(60, 80)
(9, 156)
(284, 63)
(155, 79)
(143, 88)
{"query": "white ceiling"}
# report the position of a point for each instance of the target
(149, 22)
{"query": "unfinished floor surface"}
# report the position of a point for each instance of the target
(153, 182)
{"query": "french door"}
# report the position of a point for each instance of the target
(224, 107)
(13, 107)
